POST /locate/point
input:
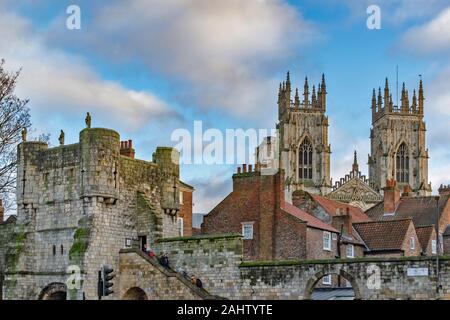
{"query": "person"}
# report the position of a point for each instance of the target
(164, 260)
(193, 280)
(144, 247)
(199, 283)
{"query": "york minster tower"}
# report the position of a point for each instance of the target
(398, 148)
(303, 138)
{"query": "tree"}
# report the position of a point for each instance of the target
(14, 117)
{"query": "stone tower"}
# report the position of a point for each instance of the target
(398, 148)
(303, 133)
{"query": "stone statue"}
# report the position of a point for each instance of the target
(61, 138)
(88, 120)
(24, 134)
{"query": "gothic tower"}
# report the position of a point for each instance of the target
(398, 149)
(303, 138)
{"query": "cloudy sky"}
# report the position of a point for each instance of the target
(149, 67)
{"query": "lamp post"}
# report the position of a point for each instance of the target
(438, 246)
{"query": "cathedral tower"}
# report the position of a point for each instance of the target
(398, 149)
(303, 138)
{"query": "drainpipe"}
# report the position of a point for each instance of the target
(437, 243)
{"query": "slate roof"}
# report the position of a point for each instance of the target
(422, 210)
(424, 234)
(383, 235)
(331, 206)
(310, 220)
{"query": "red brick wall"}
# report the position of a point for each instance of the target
(290, 237)
(186, 212)
(429, 249)
(406, 246)
(314, 245)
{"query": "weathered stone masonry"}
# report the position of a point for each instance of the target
(81, 204)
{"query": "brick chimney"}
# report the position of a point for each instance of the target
(342, 219)
(391, 196)
(2, 211)
(126, 149)
(444, 190)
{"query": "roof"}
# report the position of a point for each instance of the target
(424, 234)
(422, 210)
(184, 184)
(383, 235)
(331, 207)
(310, 220)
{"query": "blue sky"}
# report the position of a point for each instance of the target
(146, 68)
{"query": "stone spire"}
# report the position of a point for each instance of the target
(323, 93)
(355, 166)
(288, 87)
(421, 98)
(306, 93)
(297, 100)
(404, 105)
(386, 94)
(379, 104)
(414, 102)
(313, 98)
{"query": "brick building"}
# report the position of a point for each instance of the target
(422, 210)
(272, 228)
(185, 215)
(389, 238)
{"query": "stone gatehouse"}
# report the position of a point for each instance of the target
(79, 205)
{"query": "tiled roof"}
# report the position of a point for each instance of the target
(310, 220)
(424, 234)
(331, 207)
(383, 235)
(421, 209)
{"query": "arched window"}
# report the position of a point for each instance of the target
(305, 161)
(402, 164)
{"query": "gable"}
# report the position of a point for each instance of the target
(355, 190)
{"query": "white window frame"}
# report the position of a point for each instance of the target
(352, 255)
(433, 246)
(412, 244)
(326, 280)
(246, 225)
(326, 246)
(180, 226)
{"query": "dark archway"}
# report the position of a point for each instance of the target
(54, 291)
(135, 293)
(311, 284)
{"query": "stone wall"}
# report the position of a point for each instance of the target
(213, 259)
(137, 270)
(81, 204)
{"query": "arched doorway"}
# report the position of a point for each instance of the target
(135, 293)
(332, 285)
(54, 291)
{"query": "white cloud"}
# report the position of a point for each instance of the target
(224, 53)
(432, 37)
(56, 81)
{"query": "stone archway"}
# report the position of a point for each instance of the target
(54, 291)
(310, 285)
(135, 293)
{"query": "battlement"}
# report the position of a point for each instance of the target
(383, 104)
(317, 102)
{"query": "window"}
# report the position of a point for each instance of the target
(247, 230)
(54, 250)
(326, 280)
(433, 247)
(411, 244)
(62, 249)
(402, 164)
(350, 251)
(181, 197)
(127, 242)
(305, 167)
(180, 226)
(327, 241)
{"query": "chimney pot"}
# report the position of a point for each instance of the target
(239, 170)
(244, 168)
(250, 167)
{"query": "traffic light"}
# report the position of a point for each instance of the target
(107, 277)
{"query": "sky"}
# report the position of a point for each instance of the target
(146, 68)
